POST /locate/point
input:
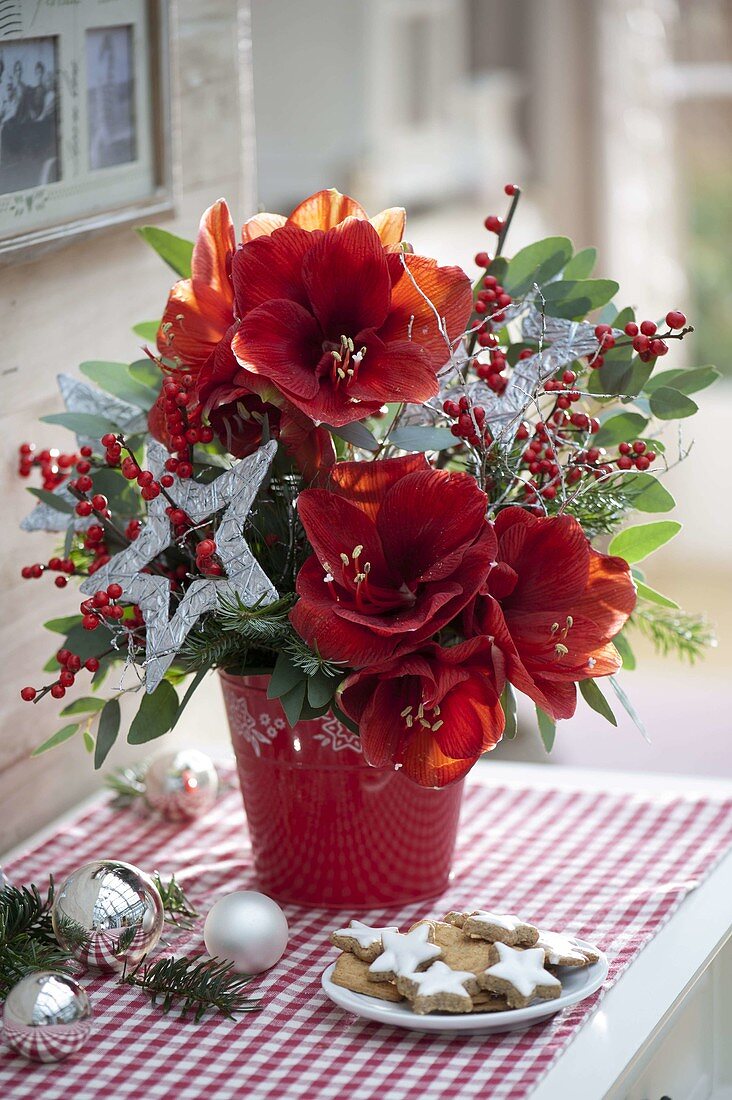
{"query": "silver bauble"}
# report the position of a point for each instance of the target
(108, 914)
(247, 929)
(47, 1016)
(181, 784)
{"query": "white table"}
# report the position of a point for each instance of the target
(665, 1028)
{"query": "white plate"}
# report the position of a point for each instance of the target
(577, 983)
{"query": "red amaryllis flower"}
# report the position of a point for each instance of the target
(325, 209)
(338, 324)
(200, 310)
(553, 605)
(400, 549)
(431, 713)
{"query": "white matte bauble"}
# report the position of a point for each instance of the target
(181, 785)
(108, 914)
(47, 1017)
(247, 929)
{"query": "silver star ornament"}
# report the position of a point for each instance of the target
(234, 490)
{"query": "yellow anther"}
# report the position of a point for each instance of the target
(405, 712)
(437, 725)
(560, 650)
(357, 551)
(345, 559)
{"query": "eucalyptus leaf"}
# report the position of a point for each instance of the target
(176, 251)
(57, 739)
(645, 592)
(64, 625)
(547, 728)
(115, 378)
(88, 704)
(623, 647)
(629, 708)
(146, 372)
(574, 298)
(685, 381)
(157, 714)
(636, 543)
(581, 264)
(670, 404)
(646, 493)
(508, 702)
(618, 428)
(85, 424)
(147, 330)
(108, 731)
(422, 439)
(286, 675)
(292, 702)
(53, 500)
(321, 689)
(535, 264)
(594, 698)
(357, 434)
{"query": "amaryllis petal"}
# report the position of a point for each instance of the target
(390, 225)
(425, 296)
(261, 225)
(270, 267)
(325, 209)
(338, 530)
(347, 279)
(280, 340)
(365, 483)
(195, 319)
(399, 372)
(213, 250)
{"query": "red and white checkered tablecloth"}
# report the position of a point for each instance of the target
(612, 867)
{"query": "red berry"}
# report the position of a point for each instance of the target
(206, 435)
(114, 591)
(511, 189)
(66, 678)
(167, 480)
(91, 664)
(60, 582)
(86, 451)
(639, 446)
(625, 462)
(651, 456)
(74, 663)
(185, 469)
(648, 328)
(625, 448)
(601, 331)
(658, 347)
(28, 694)
(493, 224)
(631, 329)
(58, 691)
(90, 622)
(642, 463)
(108, 440)
(84, 508)
(99, 502)
(641, 343)
(100, 598)
(116, 612)
(83, 467)
(675, 319)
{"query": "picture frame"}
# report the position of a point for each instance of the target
(85, 126)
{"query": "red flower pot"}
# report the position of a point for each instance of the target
(326, 828)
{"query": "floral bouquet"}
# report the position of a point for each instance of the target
(343, 465)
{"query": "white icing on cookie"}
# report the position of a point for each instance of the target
(404, 952)
(440, 978)
(523, 969)
(364, 935)
(500, 920)
(559, 947)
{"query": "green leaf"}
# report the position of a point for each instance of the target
(321, 689)
(357, 434)
(286, 675)
(508, 702)
(88, 704)
(88, 741)
(146, 372)
(147, 330)
(685, 381)
(630, 709)
(422, 439)
(668, 404)
(115, 378)
(595, 699)
(64, 625)
(157, 715)
(573, 298)
(581, 265)
(646, 493)
(109, 721)
(547, 728)
(292, 702)
(636, 543)
(536, 263)
(176, 251)
(190, 690)
(645, 592)
(52, 500)
(618, 428)
(57, 739)
(622, 645)
(86, 424)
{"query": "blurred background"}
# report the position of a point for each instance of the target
(615, 116)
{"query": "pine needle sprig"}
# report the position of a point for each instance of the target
(193, 984)
(310, 661)
(27, 942)
(673, 631)
(178, 909)
(127, 784)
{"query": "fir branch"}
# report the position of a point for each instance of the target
(127, 784)
(178, 909)
(27, 941)
(309, 660)
(233, 614)
(200, 984)
(25, 954)
(673, 631)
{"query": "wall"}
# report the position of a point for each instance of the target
(79, 303)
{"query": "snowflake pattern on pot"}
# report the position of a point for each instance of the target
(335, 736)
(258, 734)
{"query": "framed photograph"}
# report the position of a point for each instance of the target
(84, 117)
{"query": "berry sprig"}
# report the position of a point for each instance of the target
(183, 419)
(54, 465)
(71, 665)
(645, 338)
(470, 424)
